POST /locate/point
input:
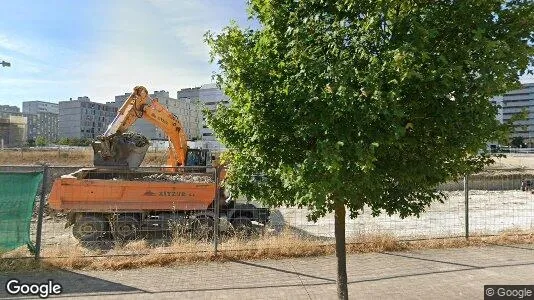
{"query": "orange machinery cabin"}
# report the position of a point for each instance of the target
(100, 190)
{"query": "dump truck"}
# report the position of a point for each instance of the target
(119, 198)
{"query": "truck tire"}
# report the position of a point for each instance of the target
(202, 228)
(126, 228)
(242, 226)
(89, 228)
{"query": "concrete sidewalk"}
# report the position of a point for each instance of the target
(426, 274)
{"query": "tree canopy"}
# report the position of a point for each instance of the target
(365, 102)
(41, 141)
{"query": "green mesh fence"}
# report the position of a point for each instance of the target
(17, 197)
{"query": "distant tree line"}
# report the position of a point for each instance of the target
(41, 141)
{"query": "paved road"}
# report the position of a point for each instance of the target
(425, 274)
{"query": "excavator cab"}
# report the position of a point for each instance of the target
(197, 158)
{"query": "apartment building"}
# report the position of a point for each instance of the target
(82, 118)
(9, 109)
(31, 123)
(189, 93)
(210, 96)
(498, 101)
(42, 119)
(35, 107)
(46, 127)
(514, 102)
(12, 131)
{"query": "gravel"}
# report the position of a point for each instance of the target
(177, 178)
(134, 138)
(490, 212)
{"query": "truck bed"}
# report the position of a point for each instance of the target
(105, 190)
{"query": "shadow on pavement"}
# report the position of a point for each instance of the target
(281, 270)
(511, 246)
(440, 272)
(321, 281)
(76, 284)
(71, 282)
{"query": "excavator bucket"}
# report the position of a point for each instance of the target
(125, 150)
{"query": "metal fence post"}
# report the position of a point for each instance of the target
(216, 217)
(466, 193)
(40, 214)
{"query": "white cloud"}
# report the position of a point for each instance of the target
(7, 43)
(160, 46)
(189, 21)
(38, 50)
(156, 43)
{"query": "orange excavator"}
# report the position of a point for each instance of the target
(115, 148)
(121, 200)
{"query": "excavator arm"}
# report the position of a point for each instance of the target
(113, 149)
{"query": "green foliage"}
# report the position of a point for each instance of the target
(365, 102)
(64, 141)
(518, 142)
(41, 141)
(75, 141)
(85, 142)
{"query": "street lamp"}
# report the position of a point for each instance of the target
(5, 64)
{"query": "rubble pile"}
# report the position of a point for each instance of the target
(177, 178)
(137, 139)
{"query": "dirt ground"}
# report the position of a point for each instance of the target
(66, 156)
(83, 156)
(514, 160)
(490, 212)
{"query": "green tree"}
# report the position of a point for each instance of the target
(84, 142)
(64, 141)
(74, 141)
(518, 142)
(344, 104)
(41, 141)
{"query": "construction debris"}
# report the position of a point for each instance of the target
(177, 178)
(137, 139)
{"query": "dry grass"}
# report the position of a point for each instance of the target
(71, 157)
(52, 157)
(139, 254)
(84, 157)
(18, 260)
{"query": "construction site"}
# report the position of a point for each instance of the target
(104, 199)
(267, 149)
(496, 205)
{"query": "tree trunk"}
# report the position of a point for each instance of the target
(341, 254)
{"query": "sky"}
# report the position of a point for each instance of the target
(61, 48)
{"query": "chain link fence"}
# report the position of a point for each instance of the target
(155, 210)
